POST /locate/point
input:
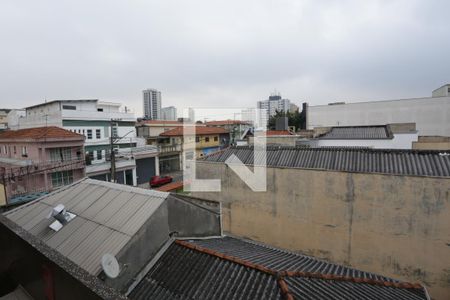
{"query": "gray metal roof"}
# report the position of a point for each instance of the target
(230, 268)
(358, 133)
(386, 161)
(108, 215)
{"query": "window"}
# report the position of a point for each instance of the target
(197, 139)
(62, 178)
(60, 154)
(89, 134)
(24, 151)
(99, 154)
(98, 134)
(216, 139)
(99, 109)
(207, 139)
(5, 150)
(70, 107)
(114, 131)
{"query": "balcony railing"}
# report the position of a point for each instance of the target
(169, 148)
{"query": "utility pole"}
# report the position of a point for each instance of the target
(112, 154)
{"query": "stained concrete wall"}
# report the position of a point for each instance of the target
(397, 226)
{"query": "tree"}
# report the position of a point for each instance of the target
(294, 119)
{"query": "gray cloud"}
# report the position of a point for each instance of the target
(216, 53)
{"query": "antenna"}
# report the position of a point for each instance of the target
(110, 265)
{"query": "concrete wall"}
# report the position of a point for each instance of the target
(431, 115)
(397, 226)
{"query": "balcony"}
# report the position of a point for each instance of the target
(169, 148)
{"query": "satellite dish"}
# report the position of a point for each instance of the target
(110, 265)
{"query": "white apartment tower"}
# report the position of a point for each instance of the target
(270, 106)
(152, 104)
(169, 113)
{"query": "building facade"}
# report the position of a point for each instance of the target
(270, 106)
(100, 122)
(235, 127)
(152, 104)
(431, 114)
(169, 113)
(39, 160)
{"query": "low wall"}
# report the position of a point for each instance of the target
(398, 226)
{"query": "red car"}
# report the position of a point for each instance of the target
(160, 180)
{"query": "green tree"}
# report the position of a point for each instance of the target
(294, 119)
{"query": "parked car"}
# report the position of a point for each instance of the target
(160, 180)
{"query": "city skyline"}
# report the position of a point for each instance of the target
(322, 52)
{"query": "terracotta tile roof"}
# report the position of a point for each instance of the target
(278, 132)
(225, 122)
(161, 122)
(199, 130)
(171, 186)
(38, 133)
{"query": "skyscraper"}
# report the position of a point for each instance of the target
(169, 113)
(152, 104)
(270, 106)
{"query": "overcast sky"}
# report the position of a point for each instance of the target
(222, 53)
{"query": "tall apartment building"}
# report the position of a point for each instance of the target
(98, 121)
(152, 104)
(169, 113)
(270, 106)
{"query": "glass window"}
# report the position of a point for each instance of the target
(62, 178)
(98, 134)
(197, 139)
(114, 131)
(99, 154)
(216, 139)
(24, 151)
(61, 154)
(207, 139)
(89, 134)
(70, 107)
(99, 109)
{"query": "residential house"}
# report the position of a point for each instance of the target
(99, 122)
(382, 210)
(3, 118)
(207, 139)
(153, 245)
(235, 127)
(39, 159)
(169, 153)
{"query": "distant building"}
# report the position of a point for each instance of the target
(169, 153)
(169, 113)
(152, 104)
(99, 121)
(13, 117)
(39, 160)
(431, 114)
(390, 136)
(3, 118)
(235, 127)
(293, 108)
(207, 139)
(270, 106)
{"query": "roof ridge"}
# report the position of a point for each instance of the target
(282, 274)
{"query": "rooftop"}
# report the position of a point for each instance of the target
(278, 132)
(39, 133)
(225, 122)
(232, 268)
(358, 133)
(160, 122)
(107, 217)
(199, 130)
(384, 161)
(53, 101)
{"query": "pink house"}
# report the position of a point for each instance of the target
(39, 160)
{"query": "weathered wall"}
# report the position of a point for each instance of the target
(398, 226)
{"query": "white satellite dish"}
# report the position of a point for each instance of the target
(110, 265)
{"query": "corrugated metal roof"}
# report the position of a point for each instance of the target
(358, 133)
(108, 215)
(386, 161)
(230, 268)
